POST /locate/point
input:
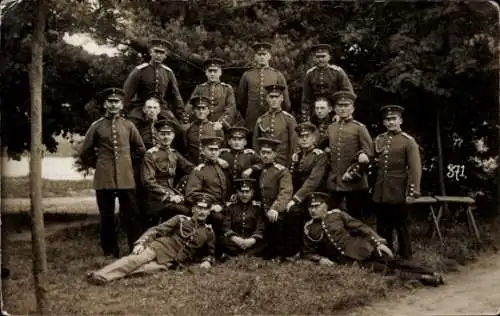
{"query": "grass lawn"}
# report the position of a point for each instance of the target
(241, 286)
(19, 187)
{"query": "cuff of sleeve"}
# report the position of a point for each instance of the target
(257, 236)
(297, 200)
(166, 197)
(229, 234)
(377, 241)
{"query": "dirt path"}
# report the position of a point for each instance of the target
(474, 290)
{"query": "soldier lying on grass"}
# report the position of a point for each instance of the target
(179, 240)
(336, 236)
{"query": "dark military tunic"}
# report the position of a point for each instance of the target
(159, 170)
(146, 127)
(239, 161)
(399, 168)
(146, 81)
(110, 145)
(347, 140)
(339, 235)
(222, 101)
(279, 125)
(252, 93)
(209, 178)
(321, 80)
(275, 183)
(322, 126)
(308, 172)
(180, 239)
(194, 133)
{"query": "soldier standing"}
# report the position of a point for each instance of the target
(251, 93)
(110, 145)
(244, 222)
(276, 123)
(159, 169)
(200, 127)
(322, 118)
(222, 103)
(153, 79)
(323, 78)
(398, 179)
(350, 143)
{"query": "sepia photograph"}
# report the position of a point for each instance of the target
(249, 157)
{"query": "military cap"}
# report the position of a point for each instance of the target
(200, 102)
(161, 43)
(213, 62)
(111, 94)
(237, 132)
(305, 128)
(262, 47)
(244, 184)
(390, 110)
(343, 97)
(203, 199)
(268, 142)
(166, 125)
(316, 198)
(321, 49)
(275, 88)
(211, 141)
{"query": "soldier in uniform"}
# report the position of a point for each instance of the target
(276, 123)
(178, 241)
(153, 79)
(238, 157)
(399, 170)
(322, 78)
(335, 236)
(244, 222)
(200, 127)
(350, 143)
(222, 103)
(251, 94)
(323, 116)
(275, 184)
(110, 145)
(159, 169)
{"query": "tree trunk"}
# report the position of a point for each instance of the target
(442, 187)
(37, 225)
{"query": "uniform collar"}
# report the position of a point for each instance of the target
(270, 112)
(111, 117)
(394, 133)
(213, 82)
(346, 120)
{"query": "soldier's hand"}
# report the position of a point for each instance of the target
(138, 249)
(290, 205)
(295, 157)
(410, 199)
(217, 126)
(249, 242)
(216, 208)
(221, 162)
(326, 262)
(238, 241)
(247, 173)
(177, 198)
(383, 249)
(205, 265)
(363, 158)
(346, 177)
(185, 127)
(272, 215)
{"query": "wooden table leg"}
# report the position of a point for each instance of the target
(472, 222)
(435, 219)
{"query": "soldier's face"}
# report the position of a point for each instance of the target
(307, 140)
(245, 196)
(393, 123)
(213, 73)
(267, 155)
(165, 137)
(201, 113)
(211, 152)
(322, 59)
(113, 106)
(151, 109)
(262, 58)
(200, 213)
(237, 143)
(344, 110)
(318, 211)
(158, 54)
(275, 99)
(322, 108)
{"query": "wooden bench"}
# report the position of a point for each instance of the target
(430, 200)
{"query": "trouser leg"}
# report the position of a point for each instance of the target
(384, 222)
(401, 223)
(125, 265)
(355, 201)
(294, 225)
(336, 198)
(106, 205)
(129, 216)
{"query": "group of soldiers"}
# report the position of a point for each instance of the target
(230, 174)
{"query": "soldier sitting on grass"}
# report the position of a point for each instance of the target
(335, 236)
(177, 241)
